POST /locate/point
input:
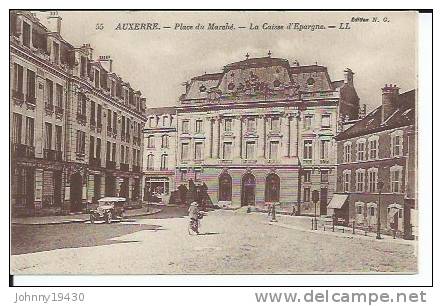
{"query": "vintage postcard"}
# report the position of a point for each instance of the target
(213, 142)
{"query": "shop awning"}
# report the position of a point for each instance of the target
(337, 201)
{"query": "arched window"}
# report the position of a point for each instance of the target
(225, 187)
(151, 141)
(272, 188)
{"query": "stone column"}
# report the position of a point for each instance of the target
(264, 137)
(130, 187)
(38, 194)
(236, 126)
(103, 185)
(218, 137)
(286, 134)
(208, 146)
(241, 137)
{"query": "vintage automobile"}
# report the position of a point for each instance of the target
(109, 208)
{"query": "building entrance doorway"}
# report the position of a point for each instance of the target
(272, 188)
(225, 187)
(76, 193)
(109, 188)
(248, 187)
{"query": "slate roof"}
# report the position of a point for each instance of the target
(404, 115)
(161, 110)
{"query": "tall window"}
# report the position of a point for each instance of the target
(56, 48)
(372, 180)
(48, 136)
(83, 63)
(373, 147)
(18, 78)
(58, 138)
(29, 131)
(150, 162)
(227, 150)
(108, 151)
(198, 126)
(122, 151)
(251, 124)
(123, 126)
(26, 34)
(165, 141)
(324, 176)
(59, 95)
(250, 150)
(81, 106)
(395, 179)
(347, 180)
(397, 145)
(114, 122)
(361, 150)
(228, 124)
(164, 162)
(151, 141)
(114, 151)
(307, 194)
(185, 151)
(81, 142)
(307, 176)
(92, 115)
(308, 122)
(16, 128)
(49, 92)
(98, 149)
(347, 152)
(30, 85)
(274, 124)
(324, 150)
(308, 149)
(325, 121)
(198, 151)
(97, 78)
(360, 179)
(185, 126)
(109, 120)
(274, 150)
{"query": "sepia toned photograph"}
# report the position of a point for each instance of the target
(213, 142)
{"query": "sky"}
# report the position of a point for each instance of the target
(158, 62)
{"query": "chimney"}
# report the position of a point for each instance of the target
(54, 22)
(88, 50)
(362, 111)
(106, 62)
(390, 95)
(348, 76)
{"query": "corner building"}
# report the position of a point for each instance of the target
(262, 131)
(75, 125)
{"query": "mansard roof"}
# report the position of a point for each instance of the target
(404, 115)
(258, 62)
(161, 110)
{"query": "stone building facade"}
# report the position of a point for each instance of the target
(75, 125)
(159, 159)
(262, 131)
(380, 148)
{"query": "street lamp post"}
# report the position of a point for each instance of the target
(378, 232)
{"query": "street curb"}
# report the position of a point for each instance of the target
(69, 221)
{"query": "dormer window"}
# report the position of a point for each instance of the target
(26, 34)
(83, 66)
(113, 88)
(56, 48)
(276, 83)
(310, 81)
(97, 78)
(202, 88)
(231, 86)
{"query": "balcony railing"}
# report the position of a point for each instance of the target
(110, 164)
(22, 150)
(58, 111)
(17, 95)
(49, 108)
(52, 155)
(81, 118)
(124, 167)
(30, 99)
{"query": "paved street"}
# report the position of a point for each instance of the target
(233, 242)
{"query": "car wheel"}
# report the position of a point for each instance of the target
(108, 218)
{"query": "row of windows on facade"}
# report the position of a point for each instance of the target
(18, 88)
(275, 124)
(96, 114)
(165, 120)
(371, 178)
(17, 128)
(370, 209)
(95, 145)
(164, 141)
(99, 77)
(370, 151)
(150, 162)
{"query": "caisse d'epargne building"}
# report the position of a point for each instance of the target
(261, 131)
